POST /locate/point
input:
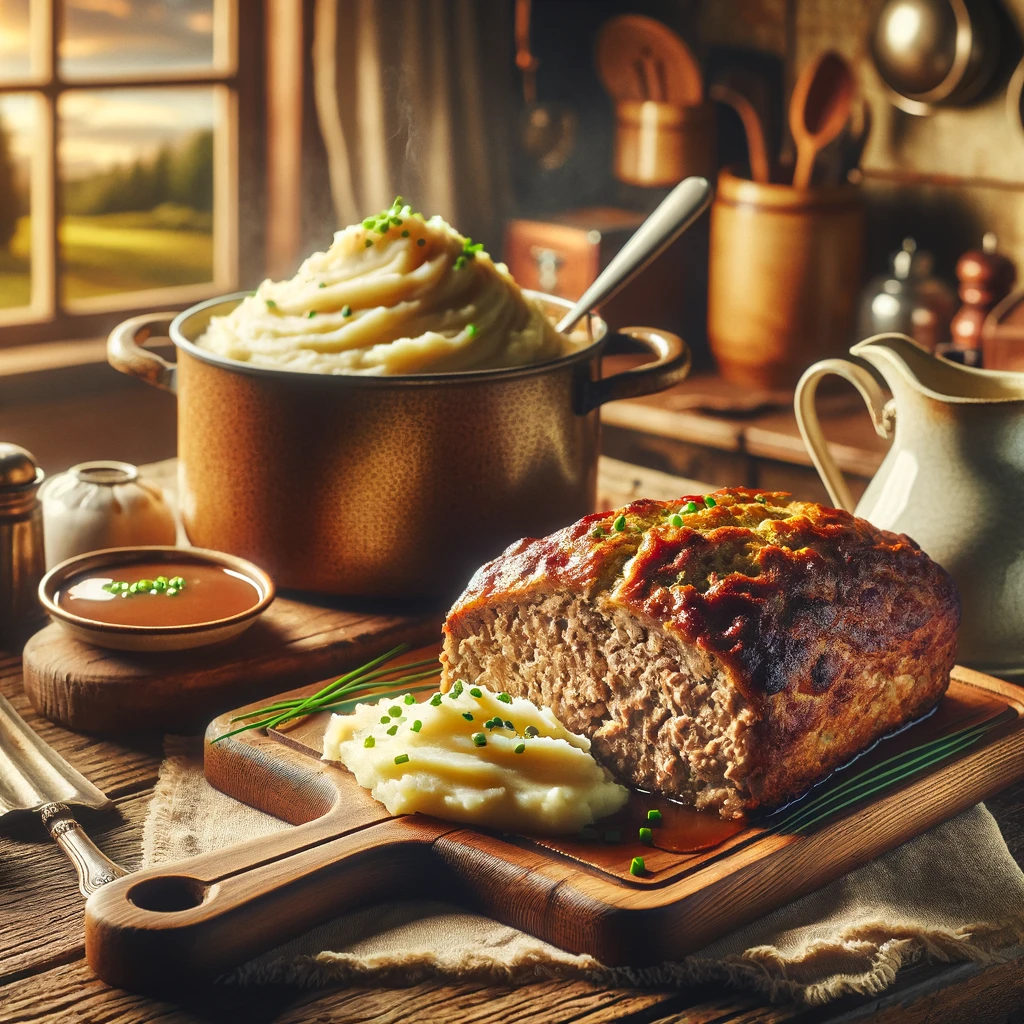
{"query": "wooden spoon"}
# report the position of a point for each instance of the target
(757, 148)
(818, 110)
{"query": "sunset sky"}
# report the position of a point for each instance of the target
(111, 37)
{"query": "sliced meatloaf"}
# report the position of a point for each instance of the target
(727, 650)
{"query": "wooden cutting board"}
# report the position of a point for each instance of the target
(95, 690)
(199, 917)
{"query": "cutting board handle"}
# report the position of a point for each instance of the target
(190, 922)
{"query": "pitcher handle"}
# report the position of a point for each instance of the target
(810, 429)
(126, 354)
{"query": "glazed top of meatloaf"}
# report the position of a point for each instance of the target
(784, 592)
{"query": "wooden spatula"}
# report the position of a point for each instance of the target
(818, 110)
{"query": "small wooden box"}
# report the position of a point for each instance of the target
(562, 256)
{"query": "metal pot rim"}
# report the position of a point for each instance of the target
(597, 327)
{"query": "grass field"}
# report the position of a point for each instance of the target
(112, 253)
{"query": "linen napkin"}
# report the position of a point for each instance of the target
(954, 893)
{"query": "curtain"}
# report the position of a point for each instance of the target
(415, 98)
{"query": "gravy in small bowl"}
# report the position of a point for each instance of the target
(155, 598)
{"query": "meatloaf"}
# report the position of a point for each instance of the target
(727, 650)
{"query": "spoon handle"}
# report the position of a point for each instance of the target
(678, 210)
(805, 156)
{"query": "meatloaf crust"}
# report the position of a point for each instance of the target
(730, 661)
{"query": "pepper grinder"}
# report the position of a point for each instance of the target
(986, 278)
(22, 560)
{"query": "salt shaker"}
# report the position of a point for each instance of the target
(22, 561)
(98, 505)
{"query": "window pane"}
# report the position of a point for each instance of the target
(136, 170)
(130, 37)
(15, 50)
(19, 115)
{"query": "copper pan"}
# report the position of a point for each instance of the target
(383, 486)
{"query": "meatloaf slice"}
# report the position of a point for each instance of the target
(727, 650)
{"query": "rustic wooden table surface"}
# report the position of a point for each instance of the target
(44, 977)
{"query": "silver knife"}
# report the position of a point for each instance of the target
(34, 777)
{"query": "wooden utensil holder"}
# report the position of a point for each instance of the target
(659, 144)
(785, 271)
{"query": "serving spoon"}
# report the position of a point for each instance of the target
(677, 211)
(818, 110)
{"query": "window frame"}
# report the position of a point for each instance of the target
(235, 78)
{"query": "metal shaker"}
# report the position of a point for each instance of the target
(22, 561)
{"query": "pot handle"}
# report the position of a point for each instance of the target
(126, 354)
(882, 417)
(671, 367)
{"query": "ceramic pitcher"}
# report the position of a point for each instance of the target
(953, 479)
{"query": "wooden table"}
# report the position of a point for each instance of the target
(44, 977)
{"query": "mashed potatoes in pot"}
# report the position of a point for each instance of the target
(475, 756)
(396, 294)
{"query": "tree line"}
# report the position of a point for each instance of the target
(178, 173)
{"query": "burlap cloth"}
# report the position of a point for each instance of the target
(954, 893)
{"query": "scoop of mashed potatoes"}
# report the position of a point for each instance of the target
(475, 756)
(396, 294)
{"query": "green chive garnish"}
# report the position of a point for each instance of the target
(346, 310)
(421, 241)
(476, 692)
(467, 715)
(393, 730)
(530, 731)
(385, 720)
(710, 502)
(676, 520)
(620, 524)
(690, 506)
(460, 262)
(646, 836)
(369, 222)
(761, 498)
(597, 533)
(504, 698)
(322, 284)
(654, 815)
(457, 689)
(520, 747)
(368, 243)
(637, 867)
(471, 330)
(479, 739)
(311, 314)
(394, 712)
(509, 725)
(416, 726)
(405, 234)
(409, 699)
(271, 304)
(402, 759)
(369, 741)
(436, 700)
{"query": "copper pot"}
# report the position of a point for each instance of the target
(382, 486)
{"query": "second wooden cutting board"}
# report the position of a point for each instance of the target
(200, 917)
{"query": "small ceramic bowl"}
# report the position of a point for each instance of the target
(153, 638)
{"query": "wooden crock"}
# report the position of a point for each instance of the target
(784, 275)
(392, 487)
(659, 144)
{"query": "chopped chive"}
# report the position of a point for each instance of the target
(311, 314)
(416, 726)
(520, 747)
(322, 284)
(530, 731)
(479, 739)
(436, 700)
(471, 330)
(369, 222)
(509, 725)
(397, 204)
(346, 310)
(646, 836)
(467, 715)
(394, 712)
(504, 698)
(676, 520)
(709, 501)
(619, 524)
(405, 234)
(761, 498)
(597, 533)
(690, 506)
(271, 304)
(613, 835)
(393, 730)
(401, 759)
(457, 689)
(369, 741)
(409, 699)
(369, 242)
(654, 815)
(476, 692)
(385, 720)
(421, 241)
(637, 866)
(460, 262)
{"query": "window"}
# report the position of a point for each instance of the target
(119, 135)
